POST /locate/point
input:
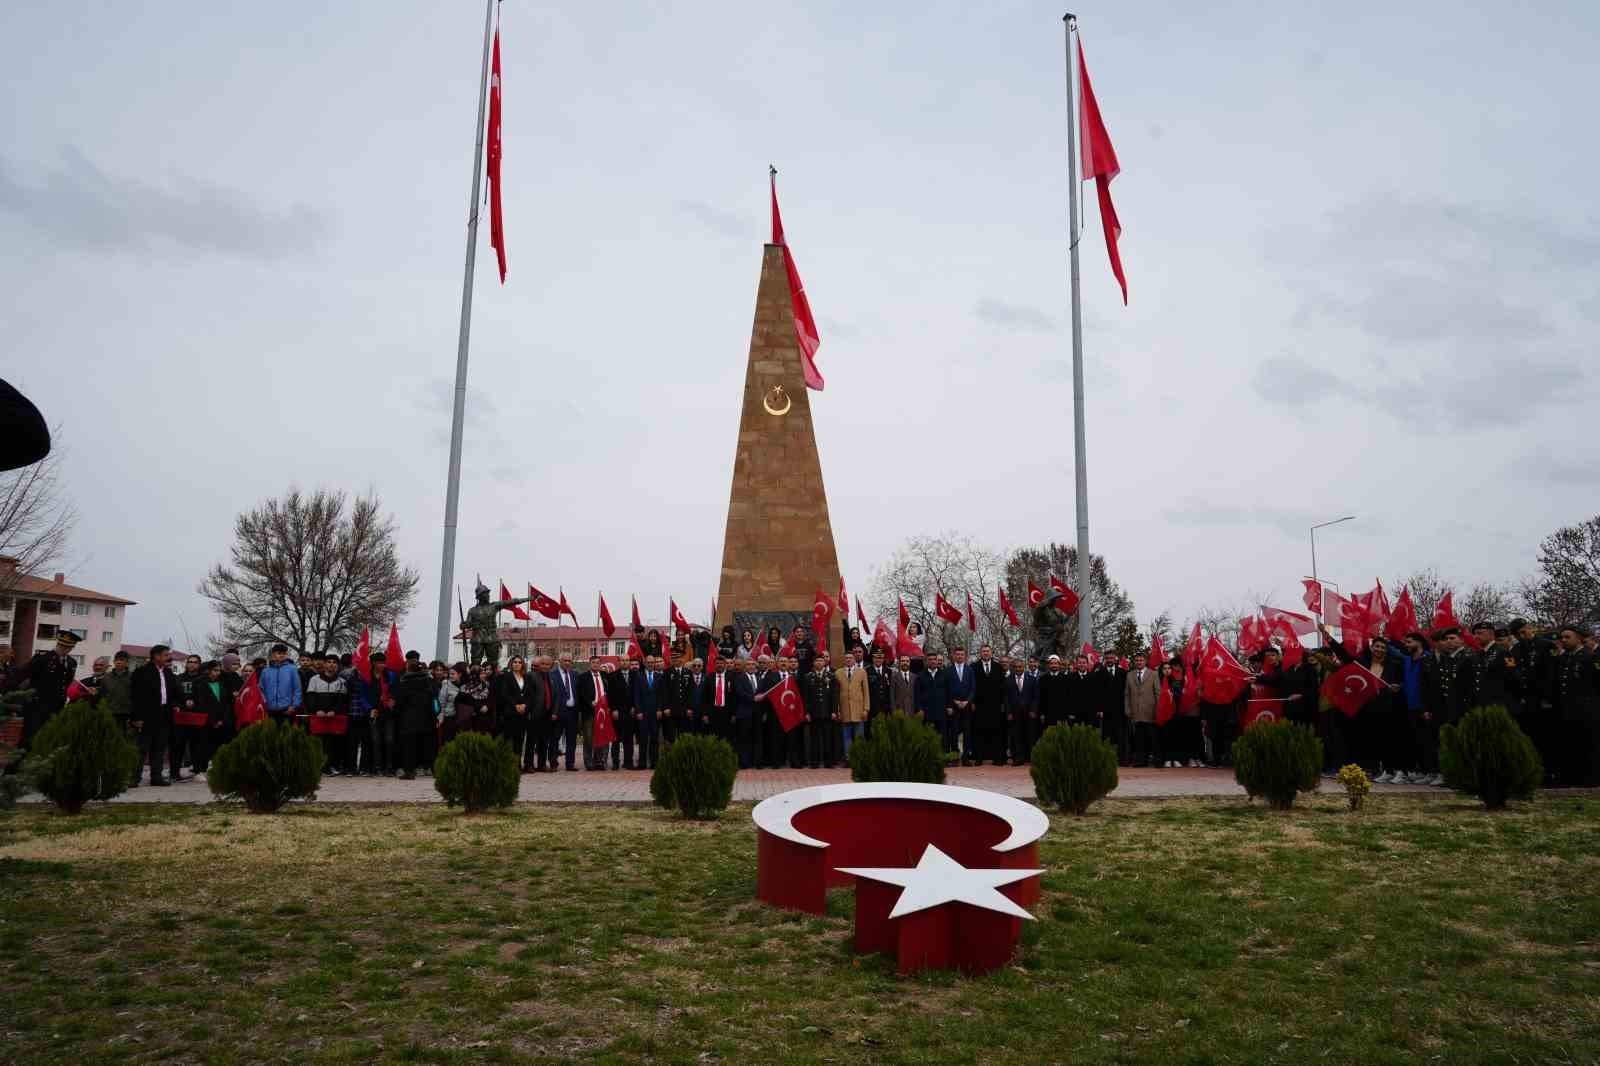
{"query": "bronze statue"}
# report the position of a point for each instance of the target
(482, 626)
(1050, 626)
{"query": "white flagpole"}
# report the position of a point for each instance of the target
(1080, 452)
(452, 493)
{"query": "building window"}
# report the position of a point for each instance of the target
(5, 628)
(106, 636)
(81, 634)
(46, 631)
(620, 648)
(6, 603)
(594, 649)
(49, 606)
(111, 612)
(80, 608)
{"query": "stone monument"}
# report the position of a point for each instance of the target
(778, 547)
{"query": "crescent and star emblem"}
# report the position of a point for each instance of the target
(1355, 684)
(776, 401)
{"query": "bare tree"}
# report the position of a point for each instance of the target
(1110, 605)
(1566, 588)
(36, 518)
(1484, 602)
(309, 574)
(1427, 589)
(1160, 627)
(953, 565)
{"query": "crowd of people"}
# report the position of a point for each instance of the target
(379, 718)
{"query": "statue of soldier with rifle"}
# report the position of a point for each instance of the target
(481, 626)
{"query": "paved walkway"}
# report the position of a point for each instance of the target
(633, 786)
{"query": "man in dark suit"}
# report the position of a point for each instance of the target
(1055, 691)
(153, 695)
(880, 695)
(591, 686)
(741, 694)
(988, 708)
(619, 693)
(650, 701)
(564, 696)
(716, 703)
(699, 718)
(1020, 694)
(1110, 704)
(933, 696)
(781, 748)
(961, 681)
(1083, 694)
(679, 717)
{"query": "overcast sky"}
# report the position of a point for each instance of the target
(1361, 248)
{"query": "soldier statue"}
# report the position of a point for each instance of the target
(481, 626)
(1050, 626)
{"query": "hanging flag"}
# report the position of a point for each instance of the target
(516, 612)
(1301, 623)
(1313, 596)
(821, 615)
(1069, 599)
(861, 616)
(786, 702)
(1403, 619)
(1221, 674)
(905, 615)
(394, 657)
(636, 623)
(362, 658)
(972, 618)
(564, 607)
(844, 601)
(1009, 611)
(497, 226)
(1351, 687)
(607, 626)
(1158, 654)
(946, 611)
(544, 604)
(249, 706)
(1099, 163)
(805, 327)
(605, 734)
(679, 622)
(1035, 594)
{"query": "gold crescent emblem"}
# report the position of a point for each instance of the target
(776, 401)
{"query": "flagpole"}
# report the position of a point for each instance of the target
(452, 492)
(1080, 452)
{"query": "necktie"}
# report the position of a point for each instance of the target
(849, 672)
(719, 690)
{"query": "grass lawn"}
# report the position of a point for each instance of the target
(1185, 931)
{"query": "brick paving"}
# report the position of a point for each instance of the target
(633, 786)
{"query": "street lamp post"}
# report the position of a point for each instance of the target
(1322, 525)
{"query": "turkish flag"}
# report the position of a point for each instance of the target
(1166, 707)
(1006, 608)
(1100, 163)
(905, 645)
(1300, 623)
(1251, 636)
(1351, 687)
(636, 623)
(861, 616)
(1221, 674)
(1293, 650)
(544, 604)
(1195, 648)
(634, 651)
(607, 626)
(1403, 619)
(844, 600)
(676, 616)
(805, 326)
(762, 647)
(1444, 617)
(516, 612)
(497, 225)
(1191, 688)
(711, 658)
(1262, 710)
(1158, 654)
(788, 649)
(565, 608)
(605, 733)
(1035, 594)
(946, 611)
(362, 659)
(1069, 602)
(77, 690)
(786, 702)
(248, 705)
(821, 615)
(905, 616)
(394, 657)
(1313, 596)
(1088, 652)
(972, 618)
(882, 638)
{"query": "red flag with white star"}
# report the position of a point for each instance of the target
(497, 222)
(1100, 163)
(1006, 608)
(786, 702)
(544, 604)
(947, 611)
(805, 326)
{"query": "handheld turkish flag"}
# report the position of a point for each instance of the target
(1158, 654)
(605, 734)
(946, 611)
(516, 612)
(972, 618)
(77, 690)
(394, 657)
(1035, 594)
(362, 658)
(905, 645)
(1403, 619)
(762, 647)
(788, 649)
(1299, 623)
(1444, 617)
(1262, 710)
(634, 651)
(786, 702)
(1009, 611)
(821, 614)
(1195, 648)
(544, 604)
(607, 626)
(1313, 596)
(711, 659)
(905, 616)
(1088, 652)
(1293, 650)
(1351, 687)
(1191, 688)
(636, 623)
(805, 326)
(1166, 706)
(1251, 638)
(248, 705)
(679, 622)
(844, 601)
(1100, 163)
(882, 638)
(565, 608)
(1221, 674)
(1069, 601)
(861, 616)
(497, 224)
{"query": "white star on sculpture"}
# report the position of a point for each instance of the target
(937, 878)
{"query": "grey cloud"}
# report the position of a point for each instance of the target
(715, 218)
(1569, 472)
(1290, 521)
(1013, 316)
(80, 204)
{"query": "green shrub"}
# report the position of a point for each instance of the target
(695, 776)
(1487, 755)
(1277, 760)
(1073, 766)
(899, 748)
(80, 755)
(477, 771)
(267, 765)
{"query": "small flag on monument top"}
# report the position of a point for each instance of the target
(607, 626)
(516, 612)
(1100, 163)
(946, 610)
(497, 225)
(1009, 611)
(805, 326)
(1035, 594)
(544, 604)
